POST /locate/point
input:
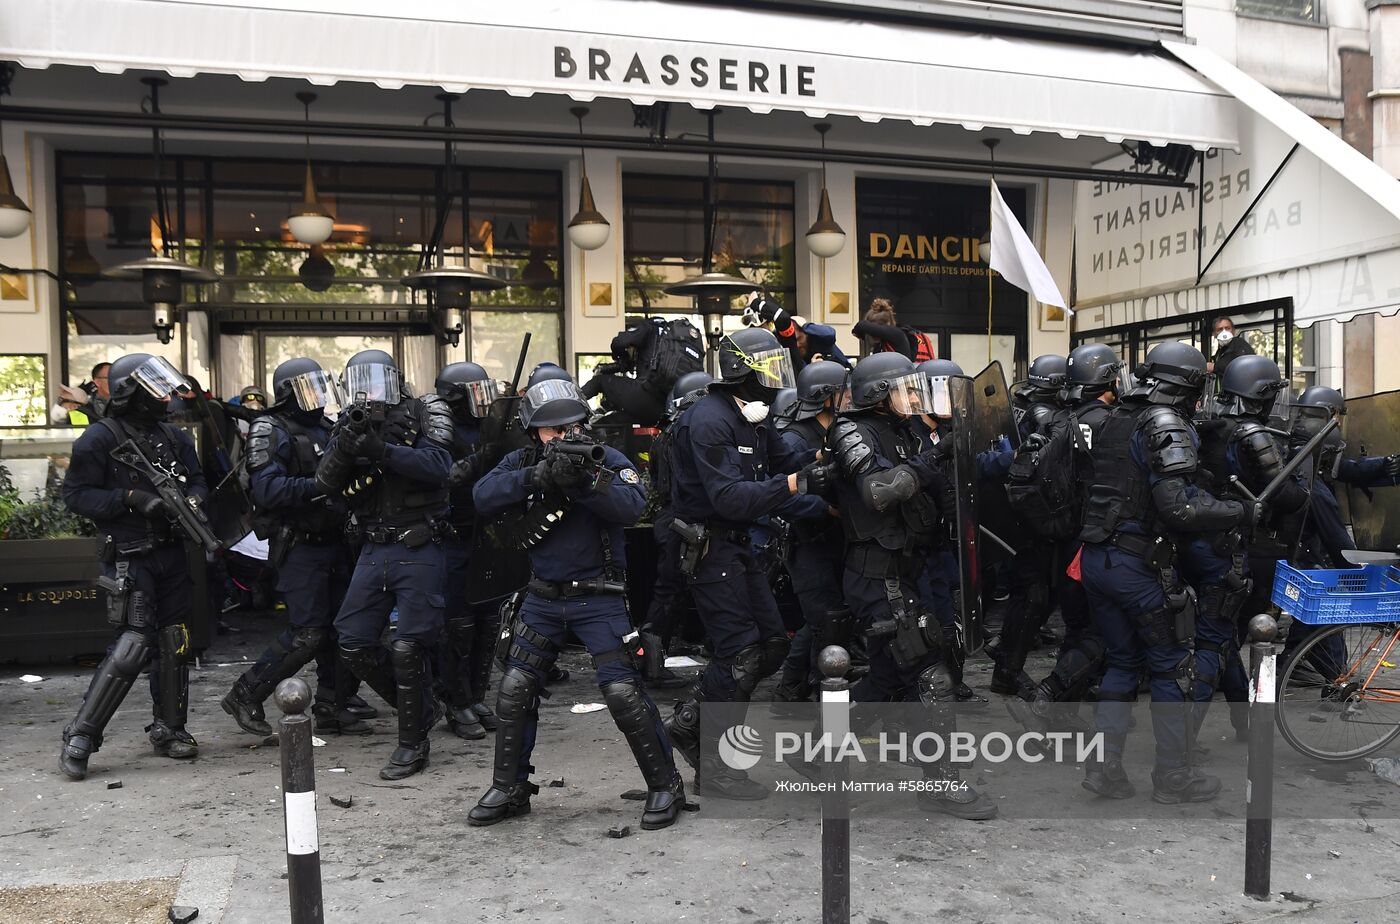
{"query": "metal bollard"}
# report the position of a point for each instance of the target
(293, 697)
(1259, 791)
(834, 661)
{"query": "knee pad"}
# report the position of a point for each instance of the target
(407, 658)
(130, 652)
(747, 668)
(310, 639)
(1079, 663)
(518, 693)
(775, 652)
(361, 660)
(935, 683)
(836, 628)
(627, 704)
(460, 633)
(175, 642)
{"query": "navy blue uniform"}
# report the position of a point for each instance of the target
(729, 473)
(585, 545)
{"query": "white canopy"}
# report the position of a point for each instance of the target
(643, 51)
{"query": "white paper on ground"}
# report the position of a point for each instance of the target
(583, 708)
(30, 678)
(683, 661)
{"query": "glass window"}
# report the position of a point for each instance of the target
(23, 380)
(664, 228)
(100, 335)
(330, 350)
(496, 337)
(970, 352)
(1299, 10)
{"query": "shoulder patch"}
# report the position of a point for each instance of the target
(629, 475)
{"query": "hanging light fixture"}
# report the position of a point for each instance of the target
(163, 278)
(14, 214)
(825, 238)
(310, 223)
(588, 229)
(449, 288)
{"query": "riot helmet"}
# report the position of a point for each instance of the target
(142, 385)
(784, 408)
(1091, 369)
(253, 398)
(817, 384)
(1314, 407)
(1252, 386)
(303, 382)
(893, 377)
(372, 375)
(940, 368)
(686, 390)
(1172, 373)
(552, 403)
(467, 387)
(1044, 379)
(754, 363)
(547, 372)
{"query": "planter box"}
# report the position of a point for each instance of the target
(51, 609)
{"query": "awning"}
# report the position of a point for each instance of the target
(644, 52)
(1295, 213)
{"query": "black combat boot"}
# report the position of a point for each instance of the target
(637, 719)
(246, 711)
(1184, 784)
(946, 792)
(511, 789)
(1106, 778)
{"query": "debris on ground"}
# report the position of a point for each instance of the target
(585, 708)
(620, 831)
(342, 803)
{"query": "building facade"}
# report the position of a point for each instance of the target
(702, 149)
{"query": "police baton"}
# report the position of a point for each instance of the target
(834, 661)
(299, 801)
(1259, 789)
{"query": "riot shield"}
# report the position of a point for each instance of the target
(966, 445)
(495, 569)
(992, 419)
(1371, 427)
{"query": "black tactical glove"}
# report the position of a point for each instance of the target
(1392, 466)
(815, 478)
(400, 431)
(1035, 442)
(463, 471)
(769, 311)
(545, 475)
(609, 369)
(149, 505)
(368, 445)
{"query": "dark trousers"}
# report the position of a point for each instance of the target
(815, 570)
(164, 577)
(313, 581)
(1122, 590)
(670, 583)
(736, 606)
(600, 622)
(886, 680)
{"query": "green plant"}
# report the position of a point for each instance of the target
(45, 517)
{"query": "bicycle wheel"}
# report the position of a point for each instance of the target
(1339, 695)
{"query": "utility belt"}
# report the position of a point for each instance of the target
(558, 590)
(1158, 552)
(411, 537)
(870, 559)
(114, 550)
(336, 537)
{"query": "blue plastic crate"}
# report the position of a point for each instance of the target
(1325, 597)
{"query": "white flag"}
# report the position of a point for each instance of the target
(1015, 257)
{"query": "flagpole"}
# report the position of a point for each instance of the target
(991, 144)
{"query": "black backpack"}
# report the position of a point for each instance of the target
(676, 350)
(1041, 485)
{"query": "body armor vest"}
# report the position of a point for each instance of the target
(1119, 492)
(307, 445)
(394, 500)
(912, 525)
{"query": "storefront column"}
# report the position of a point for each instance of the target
(27, 300)
(1052, 218)
(593, 293)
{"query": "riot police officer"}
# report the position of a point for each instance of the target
(573, 497)
(1143, 494)
(1035, 404)
(306, 532)
(816, 542)
(1091, 374)
(142, 553)
(389, 454)
(731, 468)
(1236, 441)
(465, 655)
(670, 583)
(891, 493)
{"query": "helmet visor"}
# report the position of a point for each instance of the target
(1307, 422)
(316, 390)
(773, 368)
(373, 382)
(160, 378)
(914, 394)
(940, 396)
(476, 396)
